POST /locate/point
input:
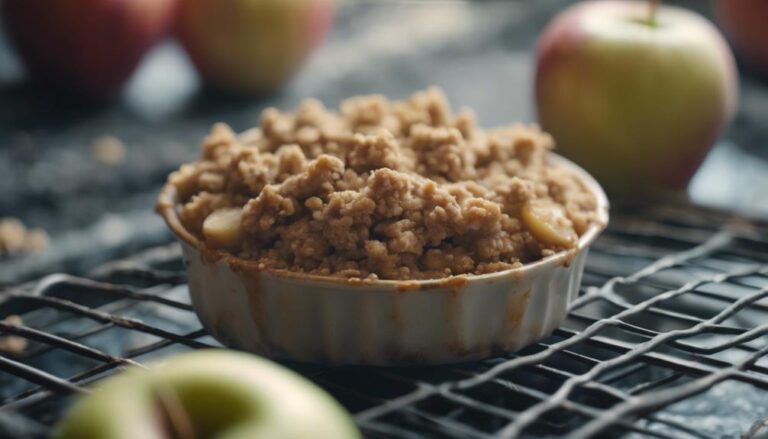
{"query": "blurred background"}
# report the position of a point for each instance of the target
(85, 171)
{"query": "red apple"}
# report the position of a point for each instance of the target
(637, 101)
(89, 46)
(746, 24)
(251, 46)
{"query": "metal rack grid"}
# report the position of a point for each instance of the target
(674, 304)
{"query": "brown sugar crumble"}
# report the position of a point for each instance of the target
(382, 189)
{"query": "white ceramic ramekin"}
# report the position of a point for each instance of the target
(321, 319)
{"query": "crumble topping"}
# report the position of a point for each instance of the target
(382, 189)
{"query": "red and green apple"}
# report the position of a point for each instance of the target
(635, 93)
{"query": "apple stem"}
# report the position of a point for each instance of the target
(652, 11)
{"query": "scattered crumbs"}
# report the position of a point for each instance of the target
(108, 150)
(13, 344)
(16, 238)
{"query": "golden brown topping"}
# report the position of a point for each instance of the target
(383, 189)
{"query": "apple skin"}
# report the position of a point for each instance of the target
(222, 393)
(251, 46)
(744, 21)
(89, 46)
(637, 106)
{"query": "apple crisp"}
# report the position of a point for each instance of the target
(382, 190)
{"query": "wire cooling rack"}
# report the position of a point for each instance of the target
(667, 339)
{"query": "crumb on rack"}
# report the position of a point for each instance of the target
(16, 238)
(13, 344)
(108, 150)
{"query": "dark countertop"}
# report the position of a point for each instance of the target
(480, 53)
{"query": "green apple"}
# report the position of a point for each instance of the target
(251, 46)
(207, 394)
(636, 95)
